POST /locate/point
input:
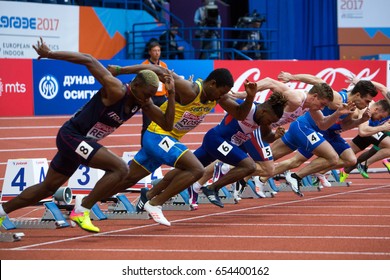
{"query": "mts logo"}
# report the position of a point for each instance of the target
(11, 88)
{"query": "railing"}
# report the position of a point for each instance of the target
(225, 37)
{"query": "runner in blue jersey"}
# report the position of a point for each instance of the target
(241, 144)
(306, 137)
(77, 139)
(375, 133)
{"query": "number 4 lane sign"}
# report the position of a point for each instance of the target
(21, 174)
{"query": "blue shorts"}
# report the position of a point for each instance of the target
(302, 137)
(158, 149)
(337, 142)
(73, 149)
(216, 147)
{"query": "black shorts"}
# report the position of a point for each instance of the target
(73, 149)
(364, 142)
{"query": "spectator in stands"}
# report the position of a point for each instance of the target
(170, 47)
(145, 55)
(154, 51)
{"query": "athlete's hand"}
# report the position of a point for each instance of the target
(279, 132)
(351, 79)
(42, 49)
(366, 115)
(169, 82)
(346, 108)
(386, 126)
(114, 69)
(250, 88)
(284, 77)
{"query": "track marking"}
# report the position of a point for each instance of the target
(198, 217)
(202, 251)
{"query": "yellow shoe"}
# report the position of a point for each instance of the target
(386, 163)
(2, 218)
(83, 220)
(343, 175)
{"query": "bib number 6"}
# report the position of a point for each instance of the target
(225, 148)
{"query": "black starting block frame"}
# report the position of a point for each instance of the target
(225, 195)
(284, 187)
(123, 209)
(249, 191)
(180, 202)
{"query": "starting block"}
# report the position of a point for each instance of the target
(284, 187)
(95, 214)
(11, 237)
(8, 236)
(224, 194)
(51, 219)
(249, 191)
(122, 209)
(8, 224)
(178, 202)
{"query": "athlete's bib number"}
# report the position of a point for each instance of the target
(313, 138)
(378, 135)
(267, 152)
(84, 149)
(166, 144)
(225, 148)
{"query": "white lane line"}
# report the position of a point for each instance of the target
(253, 237)
(202, 251)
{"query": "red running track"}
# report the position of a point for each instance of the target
(337, 223)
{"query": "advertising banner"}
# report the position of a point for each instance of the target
(21, 25)
(363, 28)
(16, 91)
(61, 88)
(333, 72)
(363, 13)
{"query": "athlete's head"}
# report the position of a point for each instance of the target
(321, 95)
(380, 110)
(363, 93)
(219, 82)
(272, 109)
(144, 85)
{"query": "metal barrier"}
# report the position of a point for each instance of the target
(226, 38)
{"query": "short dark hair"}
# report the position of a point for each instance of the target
(323, 90)
(277, 101)
(364, 87)
(153, 44)
(222, 77)
(384, 104)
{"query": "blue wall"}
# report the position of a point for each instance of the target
(307, 29)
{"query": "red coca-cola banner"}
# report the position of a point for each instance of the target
(332, 72)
